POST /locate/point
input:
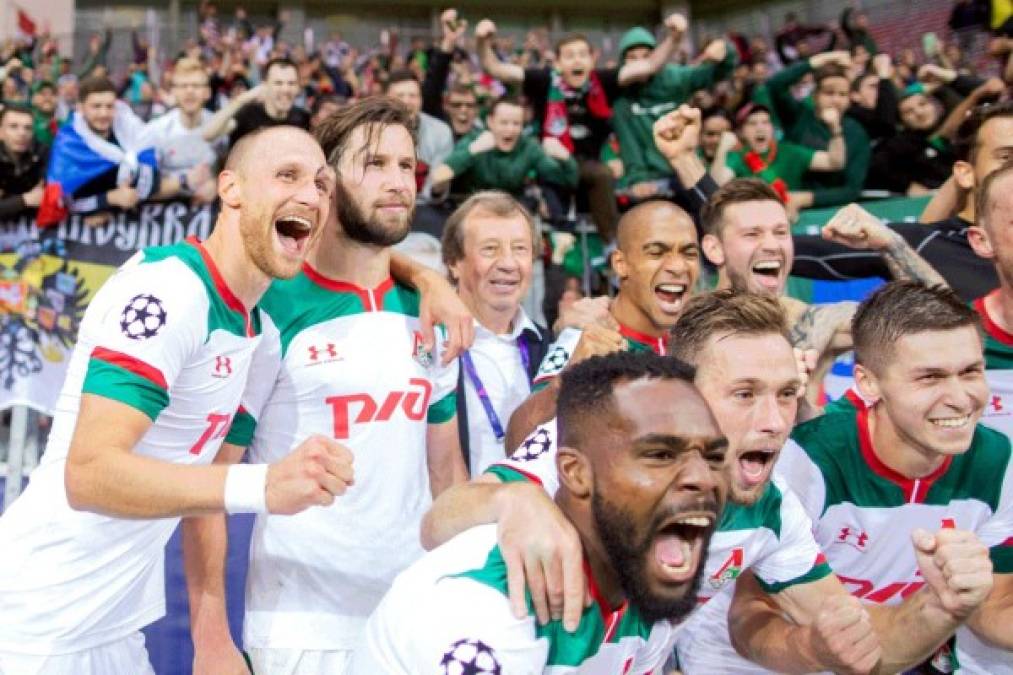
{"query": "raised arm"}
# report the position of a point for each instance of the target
(507, 73)
(835, 156)
(222, 122)
(640, 70)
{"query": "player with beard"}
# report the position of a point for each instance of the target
(747, 373)
(163, 352)
(747, 236)
(658, 263)
(642, 484)
(347, 362)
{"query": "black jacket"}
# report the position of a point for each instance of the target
(18, 175)
(537, 342)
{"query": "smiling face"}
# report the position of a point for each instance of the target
(932, 388)
(98, 110)
(375, 192)
(495, 271)
(758, 131)
(506, 122)
(919, 113)
(281, 186)
(658, 491)
(751, 383)
(658, 261)
(575, 62)
(191, 90)
(753, 246)
(282, 86)
(44, 100)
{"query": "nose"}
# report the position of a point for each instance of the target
(695, 476)
(961, 396)
(769, 419)
(307, 194)
(676, 264)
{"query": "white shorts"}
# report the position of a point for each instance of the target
(299, 662)
(123, 657)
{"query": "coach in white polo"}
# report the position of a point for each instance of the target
(489, 245)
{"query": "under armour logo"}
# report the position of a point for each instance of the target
(997, 403)
(223, 366)
(329, 350)
(858, 539)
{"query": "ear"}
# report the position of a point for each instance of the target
(455, 271)
(229, 190)
(868, 385)
(574, 472)
(977, 237)
(619, 264)
(963, 175)
(713, 250)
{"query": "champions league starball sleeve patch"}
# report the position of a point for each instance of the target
(470, 657)
(143, 317)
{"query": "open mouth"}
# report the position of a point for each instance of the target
(678, 545)
(293, 232)
(670, 296)
(504, 285)
(768, 272)
(754, 466)
(958, 422)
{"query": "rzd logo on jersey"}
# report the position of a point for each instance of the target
(414, 403)
(729, 571)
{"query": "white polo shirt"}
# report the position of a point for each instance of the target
(500, 367)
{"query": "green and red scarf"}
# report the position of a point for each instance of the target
(557, 122)
(761, 168)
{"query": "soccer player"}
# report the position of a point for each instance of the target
(747, 372)
(992, 240)
(347, 362)
(641, 482)
(658, 263)
(748, 237)
(154, 382)
(906, 458)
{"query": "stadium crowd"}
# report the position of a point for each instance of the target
(654, 481)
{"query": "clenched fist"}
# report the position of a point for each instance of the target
(843, 637)
(316, 472)
(485, 29)
(956, 566)
(856, 228)
(678, 132)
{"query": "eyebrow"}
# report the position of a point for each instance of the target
(678, 442)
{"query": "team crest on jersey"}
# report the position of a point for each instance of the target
(855, 537)
(223, 367)
(419, 351)
(534, 446)
(555, 360)
(143, 317)
(730, 570)
(470, 657)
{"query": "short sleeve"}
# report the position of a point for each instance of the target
(534, 460)
(142, 329)
(264, 368)
(803, 477)
(794, 557)
(556, 357)
(443, 403)
(997, 531)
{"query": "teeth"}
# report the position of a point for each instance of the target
(767, 265)
(302, 222)
(951, 422)
(671, 288)
(695, 521)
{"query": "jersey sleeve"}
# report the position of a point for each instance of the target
(534, 460)
(443, 403)
(556, 358)
(149, 320)
(802, 476)
(795, 557)
(465, 627)
(997, 531)
(265, 365)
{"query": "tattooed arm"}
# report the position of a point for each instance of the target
(825, 329)
(856, 228)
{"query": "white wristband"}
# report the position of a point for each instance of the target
(246, 488)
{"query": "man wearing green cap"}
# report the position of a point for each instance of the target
(641, 105)
(45, 122)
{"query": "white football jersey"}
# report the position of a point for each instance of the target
(864, 512)
(163, 335)
(450, 613)
(998, 371)
(347, 363)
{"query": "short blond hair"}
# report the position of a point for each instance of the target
(188, 65)
(493, 202)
